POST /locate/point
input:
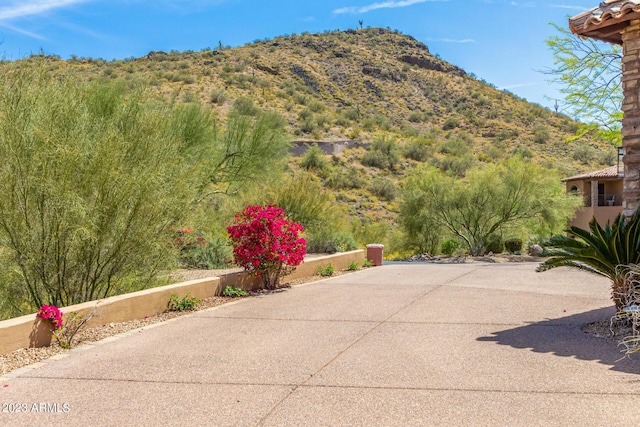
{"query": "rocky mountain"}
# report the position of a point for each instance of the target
(373, 90)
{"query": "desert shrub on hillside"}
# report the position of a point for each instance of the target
(418, 149)
(454, 165)
(366, 231)
(218, 96)
(351, 114)
(584, 153)
(457, 144)
(383, 189)
(344, 179)
(540, 134)
(307, 125)
(609, 156)
(315, 106)
(314, 158)
(308, 203)
(416, 117)
(382, 154)
(451, 123)
(244, 106)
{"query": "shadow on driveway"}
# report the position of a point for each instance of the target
(563, 337)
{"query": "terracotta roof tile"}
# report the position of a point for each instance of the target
(611, 172)
(608, 14)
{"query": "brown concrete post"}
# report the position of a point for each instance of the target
(375, 254)
(631, 120)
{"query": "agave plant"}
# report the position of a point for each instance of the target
(605, 251)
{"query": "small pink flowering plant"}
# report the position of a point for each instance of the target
(52, 314)
(63, 333)
(266, 244)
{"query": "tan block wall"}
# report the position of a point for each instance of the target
(28, 331)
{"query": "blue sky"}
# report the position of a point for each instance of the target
(501, 41)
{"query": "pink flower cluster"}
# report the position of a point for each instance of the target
(266, 243)
(51, 313)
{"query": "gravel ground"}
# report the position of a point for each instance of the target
(614, 331)
(27, 356)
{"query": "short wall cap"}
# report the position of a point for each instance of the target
(375, 246)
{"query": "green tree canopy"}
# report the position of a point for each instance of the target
(491, 199)
(589, 74)
(94, 175)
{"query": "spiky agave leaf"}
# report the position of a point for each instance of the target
(598, 250)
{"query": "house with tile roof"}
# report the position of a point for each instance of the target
(602, 194)
(607, 21)
(618, 22)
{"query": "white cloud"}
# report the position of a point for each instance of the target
(33, 7)
(24, 32)
(567, 6)
(446, 40)
(525, 4)
(383, 5)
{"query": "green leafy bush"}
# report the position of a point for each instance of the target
(489, 200)
(189, 302)
(418, 150)
(325, 270)
(315, 106)
(513, 245)
(314, 158)
(382, 154)
(307, 125)
(353, 266)
(494, 244)
(540, 134)
(416, 117)
(449, 246)
(306, 202)
(344, 179)
(197, 251)
(451, 123)
(383, 188)
(329, 243)
(584, 153)
(109, 169)
(367, 263)
(233, 292)
(218, 96)
(244, 106)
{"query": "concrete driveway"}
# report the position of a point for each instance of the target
(398, 345)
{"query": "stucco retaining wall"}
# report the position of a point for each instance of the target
(28, 331)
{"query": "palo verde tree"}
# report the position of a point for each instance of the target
(94, 174)
(589, 74)
(490, 199)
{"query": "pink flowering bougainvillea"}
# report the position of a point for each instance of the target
(266, 244)
(52, 314)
